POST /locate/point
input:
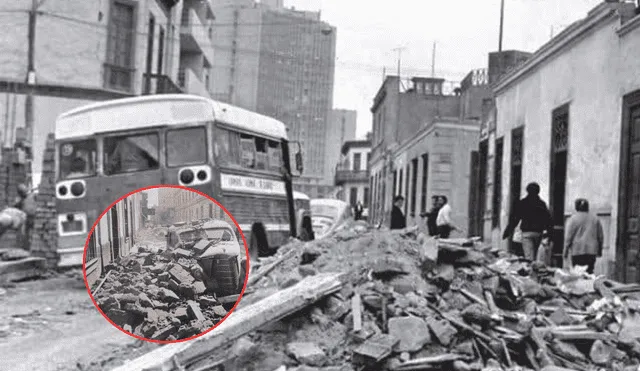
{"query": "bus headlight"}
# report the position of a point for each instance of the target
(62, 190)
(187, 176)
(77, 189)
(202, 175)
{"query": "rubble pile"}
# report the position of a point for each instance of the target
(159, 295)
(411, 303)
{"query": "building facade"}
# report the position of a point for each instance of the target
(186, 206)
(397, 116)
(352, 173)
(83, 51)
(114, 235)
(279, 62)
(569, 119)
(341, 128)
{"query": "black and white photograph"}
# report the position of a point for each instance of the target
(165, 264)
(410, 185)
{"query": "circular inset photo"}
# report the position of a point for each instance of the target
(166, 264)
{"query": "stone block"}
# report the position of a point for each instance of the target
(412, 332)
(307, 353)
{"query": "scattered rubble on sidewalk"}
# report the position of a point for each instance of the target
(159, 295)
(18, 264)
(468, 307)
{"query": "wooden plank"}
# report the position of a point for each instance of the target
(21, 269)
(243, 321)
(100, 285)
(266, 270)
(356, 310)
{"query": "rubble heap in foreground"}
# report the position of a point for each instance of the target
(473, 308)
(159, 296)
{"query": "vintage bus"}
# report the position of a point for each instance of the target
(240, 158)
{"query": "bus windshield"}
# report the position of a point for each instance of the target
(129, 153)
(186, 146)
(77, 159)
(219, 234)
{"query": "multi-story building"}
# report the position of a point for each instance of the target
(397, 116)
(86, 51)
(114, 235)
(352, 173)
(341, 128)
(572, 125)
(279, 62)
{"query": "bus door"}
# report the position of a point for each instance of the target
(188, 158)
(130, 161)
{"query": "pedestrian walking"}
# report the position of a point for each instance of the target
(443, 221)
(358, 210)
(584, 237)
(432, 216)
(27, 203)
(534, 218)
(398, 219)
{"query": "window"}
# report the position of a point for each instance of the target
(357, 157)
(78, 159)
(247, 151)
(395, 181)
(366, 197)
(131, 153)
(186, 147)
(92, 252)
(368, 159)
(399, 191)
(425, 178)
(497, 184)
(119, 66)
(414, 184)
(353, 196)
(406, 190)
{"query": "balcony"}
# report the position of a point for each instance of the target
(159, 84)
(195, 36)
(478, 77)
(191, 84)
(351, 176)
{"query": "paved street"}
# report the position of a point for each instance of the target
(56, 317)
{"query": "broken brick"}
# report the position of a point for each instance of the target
(442, 330)
(180, 275)
(181, 314)
(182, 253)
(168, 296)
(144, 300)
(219, 311)
(412, 332)
(163, 333)
(120, 317)
(200, 288)
(187, 291)
(207, 301)
(307, 353)
(194, 311)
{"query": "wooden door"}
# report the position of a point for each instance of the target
(474, 212)
(515, 179)
(115, 232)
(558, 179)
(631, 254)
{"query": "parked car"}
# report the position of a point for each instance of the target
(215, 246)
(328, 214)
(303, 210)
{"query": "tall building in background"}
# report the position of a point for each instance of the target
(341, 128)
(278, 62)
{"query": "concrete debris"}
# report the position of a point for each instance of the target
(160, 296)
(413, 303)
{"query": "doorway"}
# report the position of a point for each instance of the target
(473, 194)
(515, 182)
(558, 178)
(115, 232)
(628, 240)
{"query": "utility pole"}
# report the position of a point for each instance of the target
(433, 61)
(31, 75)
(501, 25)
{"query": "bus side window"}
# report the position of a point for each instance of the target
(223, 154)
(248, 150)
(275, 155)
(261, 153)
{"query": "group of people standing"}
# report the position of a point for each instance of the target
(439, 223)
(583, 233)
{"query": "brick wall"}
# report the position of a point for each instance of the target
(13, 171)
(44, 237)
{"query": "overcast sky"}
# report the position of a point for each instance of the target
(465, 32)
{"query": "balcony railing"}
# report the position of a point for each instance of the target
(351, 176)
(159, 84)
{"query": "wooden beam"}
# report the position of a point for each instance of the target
(243, 321)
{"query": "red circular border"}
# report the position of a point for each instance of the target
(86, 246)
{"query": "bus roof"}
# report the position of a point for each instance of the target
(161, 110)
(300, 196)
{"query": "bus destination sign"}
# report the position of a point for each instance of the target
(246, 184)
